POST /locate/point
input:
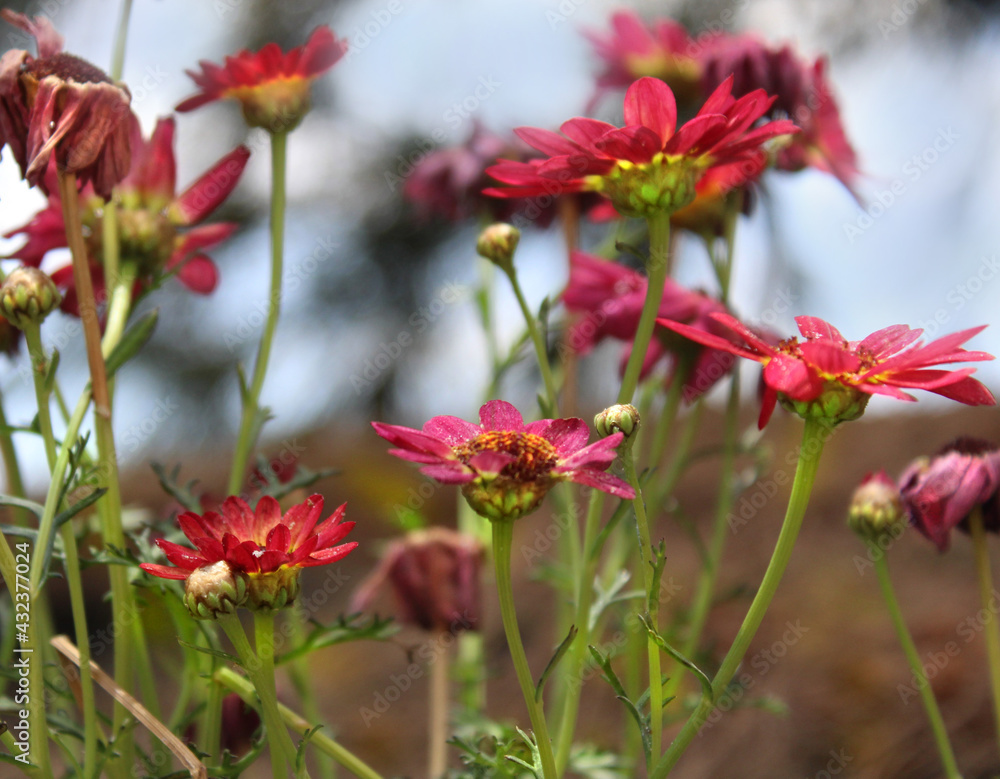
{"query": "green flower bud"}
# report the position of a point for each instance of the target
(214, 589)
(28, 296)
(273, 589)
(497, 243)
(622, 419)
(876, 511)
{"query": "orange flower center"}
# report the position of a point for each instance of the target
(536, 457)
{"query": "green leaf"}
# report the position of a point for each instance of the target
(612, 678)
(701, 676)
(50, 372)
(210, 651)
(604, 597)
(35, 508)
(559, 653)
(132, 341)
(182, 494)
(350, 628)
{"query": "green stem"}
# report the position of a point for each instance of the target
(7, 739)
(32, 334)
(705, 592)
(813, 438)
(657, 269)
(503, 536)
(647, 564)
(668, 416)
(250, 421)
(577, 655)
(438, 705)
(119, 307)
(121, 37)
(12, 468)
(913, 658)
(211, 722)
(541, 348)
(991, 628)
(321, 741)
(302, 680)
(259, 666)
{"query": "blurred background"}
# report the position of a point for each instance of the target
(918, 84)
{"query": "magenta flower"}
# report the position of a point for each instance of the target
(610, 298)
(504, 466)
(650, 165)
(828, 376)
(940, 492)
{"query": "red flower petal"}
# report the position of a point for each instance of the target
(500, 415)
(207, 193)
(650, 102)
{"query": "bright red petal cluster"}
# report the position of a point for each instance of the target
(157, 228)
(506, 466)
(884, 363)
(271, 85)
(256, 542)
(649, 165)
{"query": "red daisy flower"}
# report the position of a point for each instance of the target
(634, 49)
(611, 296)
(802, 93)
(434, 575)
(504, 466)
(940, 492)
(158, 229)
(828, 376)
(59, 107)
(262, 547)
(273, 87)
(649, 165)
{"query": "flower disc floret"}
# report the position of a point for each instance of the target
(504, 466)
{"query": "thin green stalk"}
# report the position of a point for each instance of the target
(657, 268)
(668, 416)
(577, 655)
(503, 536)
(12, 468)
(32, 334)
(705, 592)
(647, 564)
(211, 722)
(119, 307)
(991, 628)
(437, 714)
(319, 740)
(302, 680)
(121, 38)
(258, 662)
(541, 349)
(251, 417)
(7, 739)
(913, 658)
(813, 439)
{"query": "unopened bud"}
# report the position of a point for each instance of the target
(28, 296)
(497, 243)
(876, 510)
(622, 419)
(213, 590)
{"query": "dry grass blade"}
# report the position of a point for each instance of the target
(160, 731)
